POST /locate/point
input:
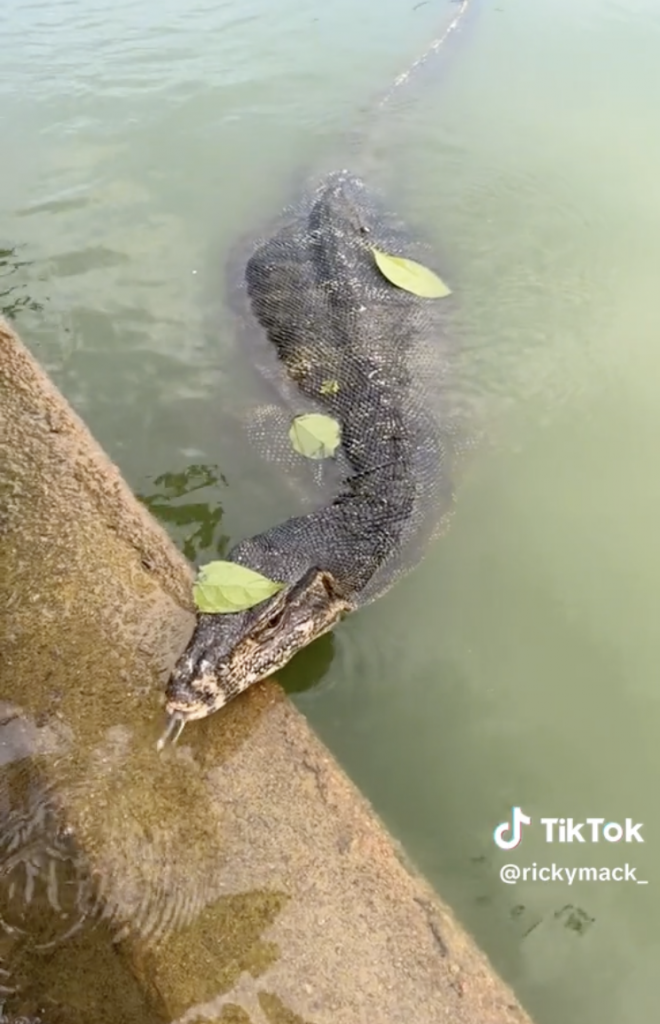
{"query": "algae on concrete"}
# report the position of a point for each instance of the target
(238, 877)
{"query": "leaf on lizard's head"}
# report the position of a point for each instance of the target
(226, 587)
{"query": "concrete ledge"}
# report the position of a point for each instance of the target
(239, 877)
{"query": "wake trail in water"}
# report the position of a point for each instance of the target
(362, 137)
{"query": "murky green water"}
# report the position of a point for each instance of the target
(518, 665)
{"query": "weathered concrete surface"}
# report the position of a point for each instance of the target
(242, 877)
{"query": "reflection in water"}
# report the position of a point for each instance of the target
(13, 297)
(38, 863)
(204, 515)
(129, 887)
(48, 895)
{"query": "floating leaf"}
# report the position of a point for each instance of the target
(411, 276)
(224, 587)
(315, 436)
(329, 387)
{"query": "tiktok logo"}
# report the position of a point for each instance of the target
(518, 819)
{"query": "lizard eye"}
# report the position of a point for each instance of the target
(274, 621)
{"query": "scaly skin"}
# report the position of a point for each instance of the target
(314, 287)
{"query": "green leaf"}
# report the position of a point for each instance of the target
(329, 387)
(411, 276)
(224, 587)
(315, 436)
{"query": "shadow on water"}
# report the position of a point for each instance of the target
(309, 666)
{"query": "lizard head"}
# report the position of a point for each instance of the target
(343, 208)
(230, 652)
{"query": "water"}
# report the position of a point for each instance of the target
(517, 666)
